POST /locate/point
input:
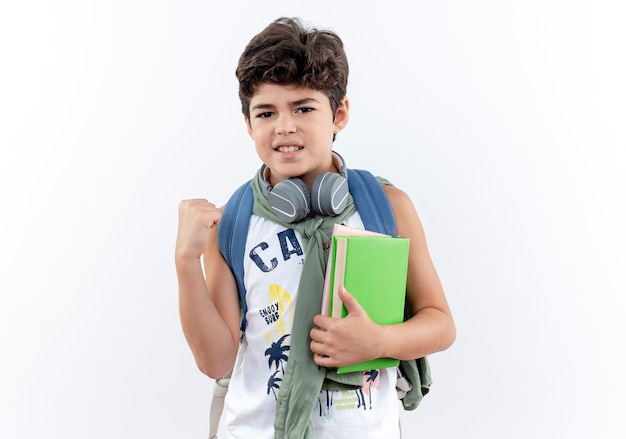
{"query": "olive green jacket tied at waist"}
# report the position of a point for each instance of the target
(304, 379)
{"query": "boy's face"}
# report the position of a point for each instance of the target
(293, 130)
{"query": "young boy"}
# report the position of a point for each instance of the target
(293, 92)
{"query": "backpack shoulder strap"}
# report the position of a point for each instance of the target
(372, 202)
(231, 237)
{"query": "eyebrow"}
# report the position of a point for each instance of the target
(291, 104)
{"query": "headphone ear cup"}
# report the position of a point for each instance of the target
(290, 200)
(329, 194)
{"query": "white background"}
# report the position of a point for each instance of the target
(504, 121)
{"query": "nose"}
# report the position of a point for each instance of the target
(285, 124)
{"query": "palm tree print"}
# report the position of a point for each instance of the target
(324, 411)
(272, 384)
(361, 398)
(370, 378)
(276, 354)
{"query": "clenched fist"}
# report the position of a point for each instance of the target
(195, 220)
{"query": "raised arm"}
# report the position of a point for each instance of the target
(208, 302)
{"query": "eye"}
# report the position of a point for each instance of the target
(264, 115)
(304, 110)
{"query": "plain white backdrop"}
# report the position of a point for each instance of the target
(504, 120)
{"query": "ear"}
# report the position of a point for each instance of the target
(341, 116)
(246, 119)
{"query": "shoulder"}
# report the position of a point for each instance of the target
(396, 195)
(407, 219)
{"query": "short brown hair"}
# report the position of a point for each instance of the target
(288, 53)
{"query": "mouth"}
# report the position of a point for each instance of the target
(288, 148)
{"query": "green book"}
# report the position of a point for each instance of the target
(374, 270)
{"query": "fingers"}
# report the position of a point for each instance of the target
(324, 361)
(200, 211)
(328, 341)
(340, 341)
(196, 217)
(321, 351)
(349, 301)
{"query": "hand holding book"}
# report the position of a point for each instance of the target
(373, 268)
(348, 340)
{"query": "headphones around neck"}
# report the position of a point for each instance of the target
(292, 201)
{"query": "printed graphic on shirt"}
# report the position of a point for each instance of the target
(360, 399)
(289, 246)
(277, 352)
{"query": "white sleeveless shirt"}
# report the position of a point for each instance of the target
(274, 258)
